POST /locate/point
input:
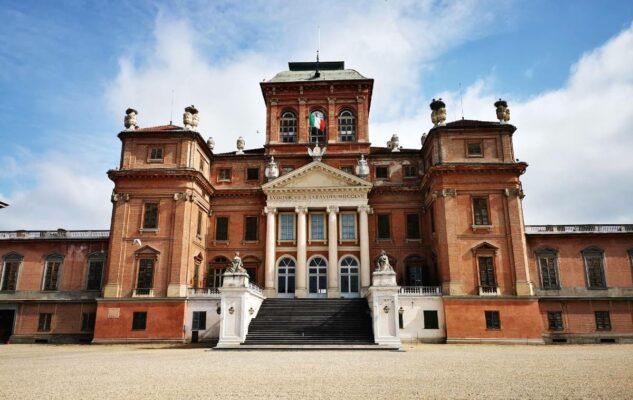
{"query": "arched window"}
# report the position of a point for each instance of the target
(288, 127)
(10, 269)
(318, 127)
(349, 277)
(52, 267)
(346, 126)
(216, 269)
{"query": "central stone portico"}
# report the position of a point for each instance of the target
(327, 193)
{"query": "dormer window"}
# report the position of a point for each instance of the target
(346, 126)
(317, 124)
(288, 127)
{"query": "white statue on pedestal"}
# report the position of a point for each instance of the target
(129, 121)
(317, 152)
(190, 118)
(383, 263)
(236, 266)
(211, 143)
(241, 144)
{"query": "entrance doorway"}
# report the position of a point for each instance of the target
(286, 278)
(349, 277)
(317, 277)
(6, 324)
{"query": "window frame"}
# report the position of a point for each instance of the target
(409, 167)
(347, 168)
(147, 210)
(381, 168)
(47, 280)
(383, 217)
(197, 323)
(280, 228)
(478, 220)
(312, 136)
(474, 155)
(346, 121)
(248, 177)
(246, 228)
(217, 225)
(322, 215)
(222, 171)
(493, 320)
(426, 317)
(199, 224)
(150, 154)
(139, 318)
(340, 223)
(594, 252)
(45, 321)
(16, 260)
(284, 135)
(418, 226)
(140, 266)
(493, 270)
(88, 320)
(555, 321)
(95, 257)
(601, 317)
(553, 254)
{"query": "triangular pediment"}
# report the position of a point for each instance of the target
(317, 175)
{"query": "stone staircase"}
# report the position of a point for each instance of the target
(305, 323)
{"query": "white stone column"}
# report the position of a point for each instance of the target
(271, 236)
(333, 290)
(302, 253)
(365, 267)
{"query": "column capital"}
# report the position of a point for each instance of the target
(365, 208)
(270, 210)
(301, 210)
(332, 209)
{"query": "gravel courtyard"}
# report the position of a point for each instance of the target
(422, 371)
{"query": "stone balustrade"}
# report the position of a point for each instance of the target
(421, 290)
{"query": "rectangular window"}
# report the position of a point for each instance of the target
(493, 321)
(150, 216)
(555, 320)
(199, 321)
(382, 172)
(44, 323)
(430, 320)
(317, 226)
(409, 171)
(286, 169)
(88, 322)
(51, 274)
(139, 321)
(286, 226)
(603, 321)
(222, 228)
(549, 276)
(145, 274)
(348, 226)
(384, 228)
(595, 271)
(156, 154)
(252, 174)
(224, 175)
(474, 149)
(250, 231)
(214, 278)
(480, 209)
(95, 274)
(486, 272)
(413, 226)
(348, 169)
(199, 225)
(10, 275)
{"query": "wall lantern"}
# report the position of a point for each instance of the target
(231, 310)
(251, 311)
(218, 309)
(401, 311)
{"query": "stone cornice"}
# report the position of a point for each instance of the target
(188, 174)
(473, 168)
(182, 133)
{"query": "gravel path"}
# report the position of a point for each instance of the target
(422, 371)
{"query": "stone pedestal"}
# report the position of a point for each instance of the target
(382, 297)
(239, 304)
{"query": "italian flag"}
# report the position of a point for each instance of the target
(317, 121)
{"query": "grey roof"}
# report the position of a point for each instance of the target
(326, 75)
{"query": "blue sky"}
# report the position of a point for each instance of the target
(68, 70)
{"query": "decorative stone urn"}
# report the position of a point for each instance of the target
(503, 112)
(394, 143)
(438, 112)
(129, 121)
(317, 152)
(190, 118)
(241, 144)
(211, 143)
(362, 169)
(272, 171)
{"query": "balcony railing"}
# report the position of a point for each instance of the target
(143, 293)
(588, 228)
(58, 234)
(489, 291)
(421, 290)
(204, 292)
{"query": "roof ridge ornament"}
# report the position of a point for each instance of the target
(317, 152)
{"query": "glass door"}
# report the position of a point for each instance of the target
(349, 277)
(286, 278)
(317, 276)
